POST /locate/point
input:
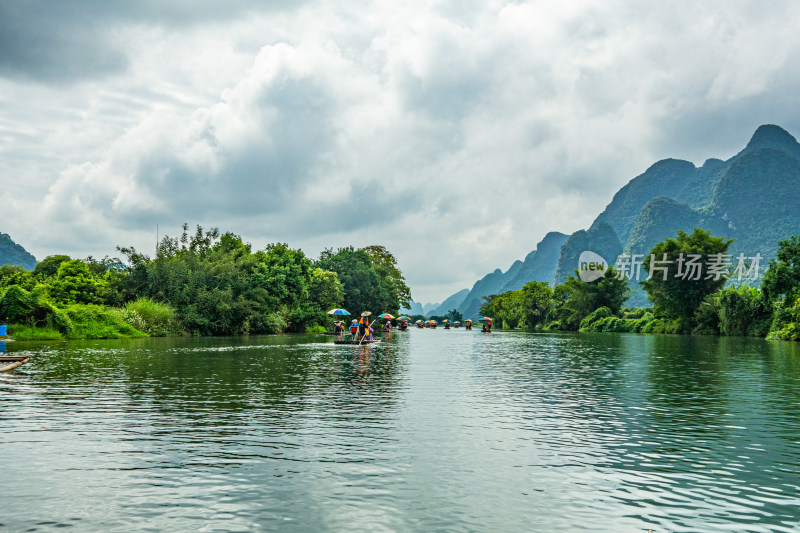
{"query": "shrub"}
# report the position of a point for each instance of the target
(555, 325)
(272, 323)
(742, 312)
(786, 325)
(617, 325)
(637, 326)
(661, 325)
(636, 312)
(594, 316)
(154, 318)
(94, 322)
(707, 316)
(19, 306)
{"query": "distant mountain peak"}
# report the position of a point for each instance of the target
(670, 164)
(12, 253)
(772, 136)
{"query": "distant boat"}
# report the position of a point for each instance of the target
(10, 362)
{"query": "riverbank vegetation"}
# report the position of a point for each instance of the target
(204, 283)
(699, 303)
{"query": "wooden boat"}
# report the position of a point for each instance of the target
(357, 343)
(10, 362)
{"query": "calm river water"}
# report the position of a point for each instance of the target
(431, 430)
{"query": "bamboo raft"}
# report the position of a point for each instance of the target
(356, 343)
(10, 362)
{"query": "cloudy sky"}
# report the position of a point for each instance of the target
(455, 133)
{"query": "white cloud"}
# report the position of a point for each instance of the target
(455, 134)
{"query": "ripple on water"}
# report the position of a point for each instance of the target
(429, 430)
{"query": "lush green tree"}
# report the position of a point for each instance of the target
(535, 302)
(284, 274)
(363, 289)
(742, 311)
(75, 283)
(454, 316)
(206, 278)
(392, 280)
(782, 278)
(48, 267)
(576, 299)
(489, 305)
(15, 275)
(33, 309)
(325, 290)
(559, 315)
(780, 290)
(786, 325)
(676, 287)
(506, 310)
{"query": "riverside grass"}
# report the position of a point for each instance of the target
(84, 321)
(154, 318)
(21, 332)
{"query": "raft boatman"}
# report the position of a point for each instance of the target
(363, 322)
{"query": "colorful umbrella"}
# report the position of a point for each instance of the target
(338, 311)
(386, 316)
(433, 322)
(485, 319)
(445, 321)
(468, 320)
(403, 317)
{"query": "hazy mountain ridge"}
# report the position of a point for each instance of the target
(539, 265)
(415, 308)
(451, 302)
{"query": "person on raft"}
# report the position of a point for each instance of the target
(363, 323)
(354, 329)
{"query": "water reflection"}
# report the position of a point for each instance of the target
(428, 430)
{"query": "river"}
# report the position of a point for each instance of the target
(430, 430)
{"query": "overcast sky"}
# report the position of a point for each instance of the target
(455, 133)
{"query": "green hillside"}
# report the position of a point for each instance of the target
(758, 199)
(660, 218)
(752, 197)
(600, 238)
(665, 178)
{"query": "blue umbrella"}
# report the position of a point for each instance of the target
(338, 311)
